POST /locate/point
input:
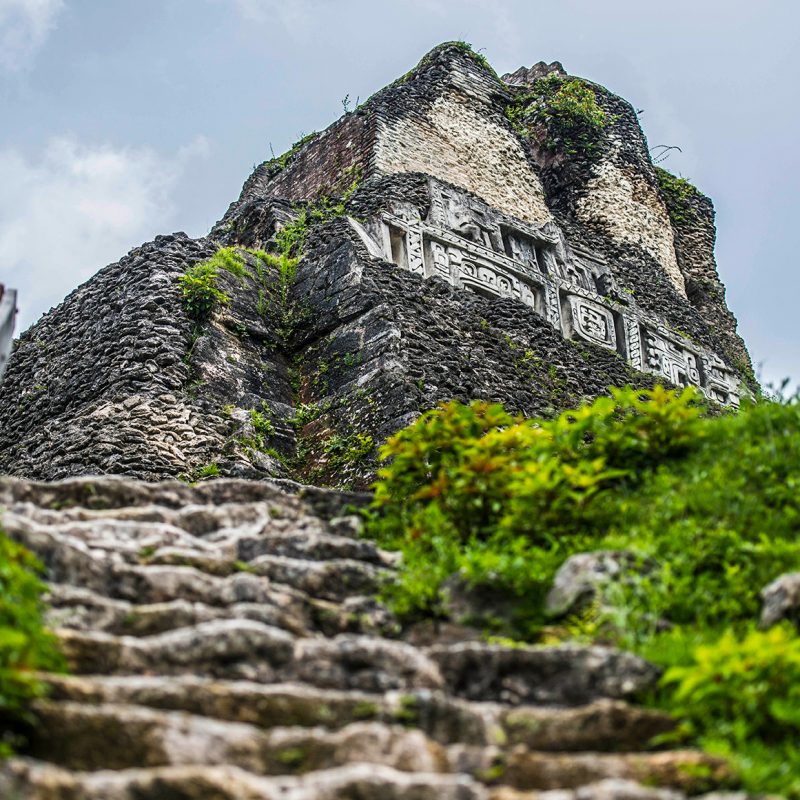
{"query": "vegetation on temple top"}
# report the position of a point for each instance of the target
(707, 507)
(561, 114)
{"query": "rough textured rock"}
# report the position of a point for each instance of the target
(200, 676)
(583, 578)
(471, 262)
(781, 600)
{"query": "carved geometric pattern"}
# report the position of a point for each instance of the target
(466, 243)
(553, 306)
(590, 321)
(722, 385)
(672, 359)
(633, 342)
(416, 262)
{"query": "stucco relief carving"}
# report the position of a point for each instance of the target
(668, 356)
(585, 319)
(468, 244)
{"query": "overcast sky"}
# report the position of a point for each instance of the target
(122, 119)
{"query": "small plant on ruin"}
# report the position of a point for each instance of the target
(678, 194)
(199, 284)
(26, 647)
(343, 451)
(561, 114)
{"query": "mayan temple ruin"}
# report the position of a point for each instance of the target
(188, 437)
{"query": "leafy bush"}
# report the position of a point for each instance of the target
(503, 501)
(26, 647)
(199, 283)
(710, 501)
(562, 114)
(741, 696)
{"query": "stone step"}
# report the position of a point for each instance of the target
(312, 546)
(561, 675)
(24, 779)
(688, 771)
(245, 649)
(222, 648)
(330, 580)
(112, 493)
(84, 610)
(105, 736)
(609, 789)
(108, 736)
(209, 575)
(602, 725)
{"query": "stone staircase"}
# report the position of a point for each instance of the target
(225, 644)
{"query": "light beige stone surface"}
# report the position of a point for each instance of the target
(457, 144)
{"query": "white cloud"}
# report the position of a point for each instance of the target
(24, 26)
(75, 209)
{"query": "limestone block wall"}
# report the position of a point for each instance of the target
(382, 344)
(631, 211)
(459, 143)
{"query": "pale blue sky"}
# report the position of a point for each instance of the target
(127, 118)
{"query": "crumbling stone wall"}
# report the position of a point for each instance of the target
(118, 379)
(454, 141)
(695, 236)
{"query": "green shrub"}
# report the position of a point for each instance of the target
(26, 647)
(199, 283)
(710, 502)
(562, 114)
(488, 472)
(503, 501)
(740, 695)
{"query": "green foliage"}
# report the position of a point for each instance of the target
(208, 471)
(710, 503)
(343, 451)
(678, 194)
(201, 293)
(26, 647)
(263, 429)
(477, 57)
(489, 472)
(741, 695)
(561, 114)
(261, 423)
(291, 238)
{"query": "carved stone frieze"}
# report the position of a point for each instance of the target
(668, 356)
(585, 319)
(468, 244)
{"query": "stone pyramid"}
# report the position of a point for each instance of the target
(469, 260)
(224, 638)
